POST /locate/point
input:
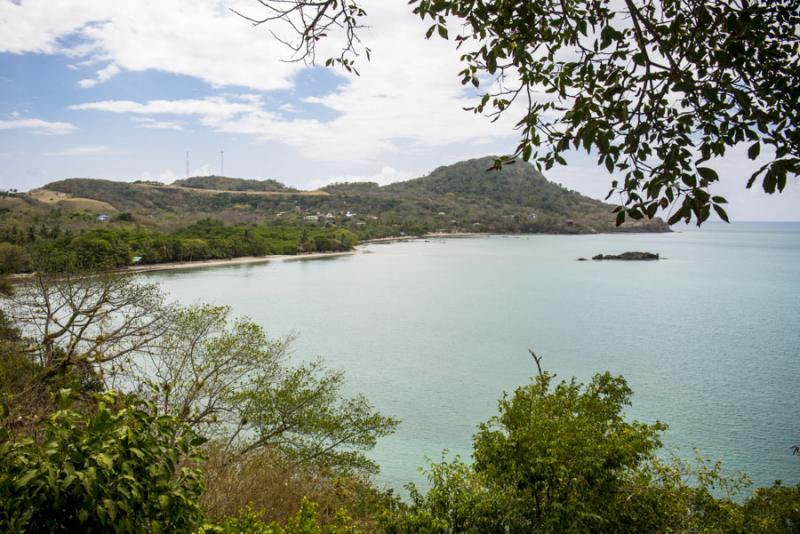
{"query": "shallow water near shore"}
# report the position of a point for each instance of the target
(434, 331)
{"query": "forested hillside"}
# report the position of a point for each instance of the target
(463, 197)
(224, 183)
(88, 223)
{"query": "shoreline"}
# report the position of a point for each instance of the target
(435, 235)
(242, 260)
(248, 260)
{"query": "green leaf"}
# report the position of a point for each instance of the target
(27, 477)
(442, 31)
(677, 216)
(104, 460)
(708, 174)
(754, 150)
(721, 212)
(64, 398)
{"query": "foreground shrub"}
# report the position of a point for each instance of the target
(266, 482)
(773, 509)
(306, 521)
(561, 457)
(117, 469)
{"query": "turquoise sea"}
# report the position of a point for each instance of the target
(433, 332)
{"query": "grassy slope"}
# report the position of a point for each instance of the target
(460, 197)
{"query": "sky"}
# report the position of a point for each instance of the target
(123, 90)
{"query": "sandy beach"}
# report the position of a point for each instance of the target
(245, 260)
(284, 257)
(232, 261)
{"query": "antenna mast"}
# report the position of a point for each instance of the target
(187, 163)
(222, 163)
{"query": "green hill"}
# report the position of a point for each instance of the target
(464, 197)
(224, 183)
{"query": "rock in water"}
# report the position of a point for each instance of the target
(628, 256)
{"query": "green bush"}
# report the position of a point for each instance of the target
(13, 259)
(561, 457)
(774, 509)
(118, 469)
(306, 521)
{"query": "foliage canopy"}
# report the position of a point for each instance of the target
(656, 88)
(561, 457)
(117, 469)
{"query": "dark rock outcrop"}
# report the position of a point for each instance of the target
(628, 256)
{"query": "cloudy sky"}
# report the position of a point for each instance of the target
(122, 90)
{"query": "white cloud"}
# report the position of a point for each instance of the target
(216, 108)
(146, 122)
(386, 175)
(409, 95)
(103, 75)
(198, 38)
(37, 126)
(289, 108)
(81, 151)
(167, 176)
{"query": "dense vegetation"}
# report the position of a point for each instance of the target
(212, 430)
(223, 183)
(657, 90)
(113, 246)
(461, 197)
(83, 223)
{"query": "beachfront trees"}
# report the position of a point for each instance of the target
(658, 90)
(112, 247)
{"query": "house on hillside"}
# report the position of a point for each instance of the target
(103, 218)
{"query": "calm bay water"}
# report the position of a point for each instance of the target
(433, 332)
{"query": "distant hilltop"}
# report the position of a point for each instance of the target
(223, 183)
(463, 197)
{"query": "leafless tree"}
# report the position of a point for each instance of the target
(310, 21)
(87, 320)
